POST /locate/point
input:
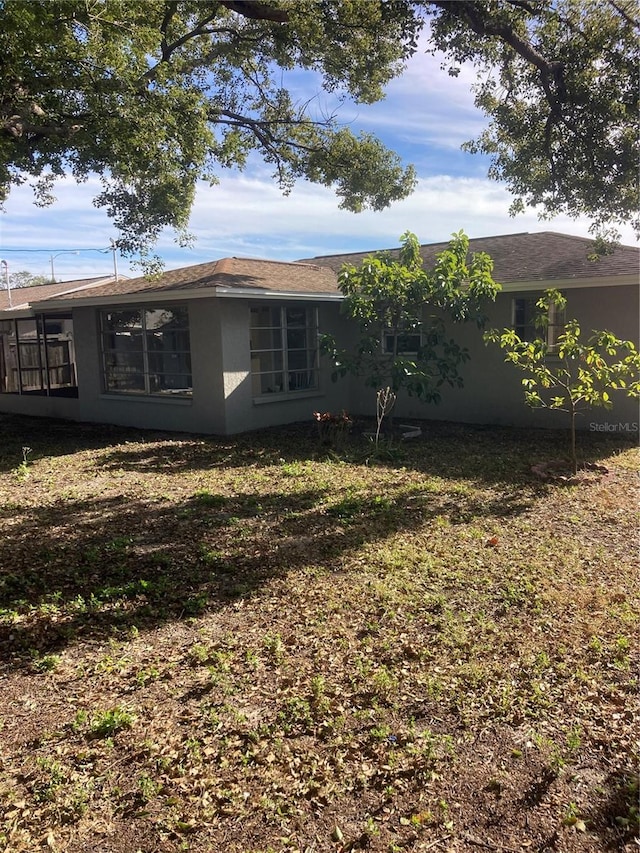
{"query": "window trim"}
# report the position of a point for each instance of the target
(287, 393)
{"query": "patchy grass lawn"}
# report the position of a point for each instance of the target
(253, 645)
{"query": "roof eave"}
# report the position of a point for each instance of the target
(181, 296)
(570, 283)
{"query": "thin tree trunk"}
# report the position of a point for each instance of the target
(574, 458)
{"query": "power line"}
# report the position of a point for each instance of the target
(49, 251)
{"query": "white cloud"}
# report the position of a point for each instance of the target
(247, 216)
(426, 116)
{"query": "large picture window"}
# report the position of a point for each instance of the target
(147, 351)
(37, 356)
(284, 350)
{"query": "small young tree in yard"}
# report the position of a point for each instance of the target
(575, 374)
(400, 309)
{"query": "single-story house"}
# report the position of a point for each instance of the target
(232, 345)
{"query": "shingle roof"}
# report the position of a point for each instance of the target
(235, 273)
(22, 297)
(542, 256)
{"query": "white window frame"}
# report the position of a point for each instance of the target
(528, 331)
(285, 390)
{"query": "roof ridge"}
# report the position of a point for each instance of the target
(277, 261)
(426, 245)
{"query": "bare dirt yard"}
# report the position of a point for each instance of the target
(260, 644)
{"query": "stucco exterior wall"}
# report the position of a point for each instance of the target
(65, 408)
(243, 412)
(222, 401)
(492, 392)
(201, 413)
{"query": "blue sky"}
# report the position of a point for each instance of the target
(425, 118)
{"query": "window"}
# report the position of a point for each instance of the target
(409, 343)
(524, 314)
(284, 350)
(147, 351)
(37, 356)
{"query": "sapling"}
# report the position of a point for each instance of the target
(400, 309)
(574, 374)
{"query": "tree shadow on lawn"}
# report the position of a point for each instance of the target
(84, 568)
(485, 454)
(488, 455)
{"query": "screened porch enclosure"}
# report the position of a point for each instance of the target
(37, 356)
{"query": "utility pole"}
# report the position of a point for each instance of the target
(6, 278)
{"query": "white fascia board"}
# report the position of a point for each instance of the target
(146, 298)
(251, 293)
(570, 283)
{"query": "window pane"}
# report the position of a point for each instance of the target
(61, 373)
(32, 380)
(297, 317)
(122, 320)
(168, 340)
(27, 330)
(267, 383)
(303, 380)
(265, 316)
(170, 362)
(8, 359)
(170, 383)
(523, 318)
(296, 338)
(147, 350)
(266, 362)
(406, 343)
(162, 319)
(131, 361)
(119, 380)
(125, 341)
(301, 360)
(29, 355)
(266, 339)
(293, 359)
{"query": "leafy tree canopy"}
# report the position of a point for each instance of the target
(401, 309)
(23, 278)
(153, 95)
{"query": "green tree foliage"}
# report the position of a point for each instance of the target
(574, 374)
(154, 95)
(559, 83)
(23, 278)
(401, 308)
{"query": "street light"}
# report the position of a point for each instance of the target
(64, 252)
(6, 279)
